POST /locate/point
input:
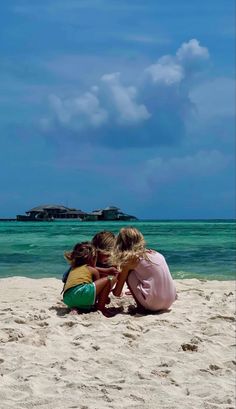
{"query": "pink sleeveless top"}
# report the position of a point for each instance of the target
(152, 282)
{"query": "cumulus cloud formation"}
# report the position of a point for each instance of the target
(191, 51)
(155, 108)
(173, 69)
(78, 112)
(166, 71)
(123, 100)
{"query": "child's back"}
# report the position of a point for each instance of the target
(77, 276)
(83, 285)
(145, 271)
(151, 282)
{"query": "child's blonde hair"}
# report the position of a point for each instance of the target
(129, 244)
(82, 253)
(104, 242)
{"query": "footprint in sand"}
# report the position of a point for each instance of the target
(162, 373)
(43, 324)
(20, 321)
(229, 294)
(196, 340)
(230, 364)
(68, 324)
(130, 336)
(38, 317)
(167, 364)
(173, 382)
(214, 367)
(132, 328)
(86, 324)
(96, 347)
(224, 317)
(137, 398)
(105, 395)
(11, 335)
(189, 347)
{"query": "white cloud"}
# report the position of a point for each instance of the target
(111, 102)
(80, 111)
(123, 100)
(192, 51)
(170, 70)
(166, 71)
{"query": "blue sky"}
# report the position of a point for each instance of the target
(127, 103)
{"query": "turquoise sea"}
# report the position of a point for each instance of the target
(201, 249)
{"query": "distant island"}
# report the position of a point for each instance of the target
(51, 212)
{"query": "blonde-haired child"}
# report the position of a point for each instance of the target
(83, 287)
(145, 271)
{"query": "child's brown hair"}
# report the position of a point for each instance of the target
(82, 253)
(104, 241)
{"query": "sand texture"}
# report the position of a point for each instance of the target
(50, 359)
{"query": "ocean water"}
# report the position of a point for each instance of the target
(200, 249)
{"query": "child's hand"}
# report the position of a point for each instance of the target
(112, 271)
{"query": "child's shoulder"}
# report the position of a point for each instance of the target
(132, 262)
(151, 251)
(73, 270)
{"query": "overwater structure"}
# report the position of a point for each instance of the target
(50, 212)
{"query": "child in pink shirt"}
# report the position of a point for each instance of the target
(145, 271)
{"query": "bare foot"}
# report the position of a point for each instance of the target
(77, 311)
(133, 310)
(74, 311)
(112, 311)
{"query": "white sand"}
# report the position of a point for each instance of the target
(181, 359)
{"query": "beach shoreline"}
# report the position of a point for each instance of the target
(179, 359)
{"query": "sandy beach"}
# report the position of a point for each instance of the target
(184, 358)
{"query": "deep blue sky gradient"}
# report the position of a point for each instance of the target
(127, 103)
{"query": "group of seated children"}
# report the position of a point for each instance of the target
(107, 262)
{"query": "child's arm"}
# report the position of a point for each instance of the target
(105, 271)
(95, 273)
(123, 276)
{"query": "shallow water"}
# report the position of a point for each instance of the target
(201, 249)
